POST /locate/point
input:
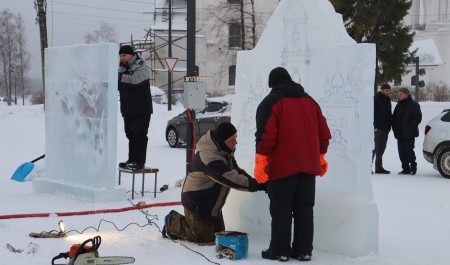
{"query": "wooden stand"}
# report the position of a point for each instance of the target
(138, 171)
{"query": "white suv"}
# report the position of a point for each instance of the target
(436, 144)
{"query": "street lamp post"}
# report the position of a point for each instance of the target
(415, 78)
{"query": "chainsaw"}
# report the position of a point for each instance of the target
(85, 254)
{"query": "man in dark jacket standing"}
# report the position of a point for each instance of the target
(382, 122)
(405, 124)
(292, 137)
(214, 172)
(135, 105)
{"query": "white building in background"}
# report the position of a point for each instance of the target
(218, 40)
(220, 24)
(219, 35)
(154, 47)
(430, 19)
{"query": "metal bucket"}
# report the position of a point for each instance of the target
(231, 245)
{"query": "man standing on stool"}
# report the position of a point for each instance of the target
(382, 122)
(135, 105)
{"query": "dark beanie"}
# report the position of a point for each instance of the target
(126, 49)
(279, 75)
(224, 131)
(404, 90)
(385, 86)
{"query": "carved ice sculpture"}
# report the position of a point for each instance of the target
(308, 38)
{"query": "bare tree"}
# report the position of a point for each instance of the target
(242, 14)
(106, 33)
(23, 56)
(224, 16)
(90, 38)
(440, 92)
(7, 49)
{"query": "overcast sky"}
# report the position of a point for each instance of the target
(68, 21)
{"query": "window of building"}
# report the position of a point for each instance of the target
(234, 35)
(234, 1)
(231, 75)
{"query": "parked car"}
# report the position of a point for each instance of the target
(13, 99)
(214, 114)
(436, 144)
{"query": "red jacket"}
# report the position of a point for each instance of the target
(291, 131)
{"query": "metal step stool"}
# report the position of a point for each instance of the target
(138, 171)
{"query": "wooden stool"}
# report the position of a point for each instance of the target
(143, 171)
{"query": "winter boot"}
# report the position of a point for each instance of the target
(134, 166)
(381, 170)
(167, 224)
(269, 254)
(301, 257)
(124, 164)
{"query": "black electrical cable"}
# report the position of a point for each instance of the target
(103, 220)
(210, 261)
(175, 241)
(150, 221)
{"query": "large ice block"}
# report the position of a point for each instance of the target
(81, 122)
(309, 39)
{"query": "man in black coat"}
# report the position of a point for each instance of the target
(382, 122)
(405, 124)
(135, 105)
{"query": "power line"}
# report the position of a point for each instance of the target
(96, 7)
(86, 22)
(91, 19)
(140, 2)
(95, 16)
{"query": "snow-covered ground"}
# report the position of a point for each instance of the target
(414, 211)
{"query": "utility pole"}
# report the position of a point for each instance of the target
(41, 8)
(190, 45)
(191, 69)
(169, 73)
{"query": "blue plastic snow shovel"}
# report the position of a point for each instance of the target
(23, 170)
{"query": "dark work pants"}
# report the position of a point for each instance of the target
(292, 197)
(381, 138)
(406, 154)
(196, 228)
(136, 129)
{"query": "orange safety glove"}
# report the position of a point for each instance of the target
(261, 162)
(323, 165)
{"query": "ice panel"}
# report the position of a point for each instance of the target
(81, 117)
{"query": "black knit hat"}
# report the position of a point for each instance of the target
(224, 131)
(126, 49)
(278, 75)
(385, 86)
